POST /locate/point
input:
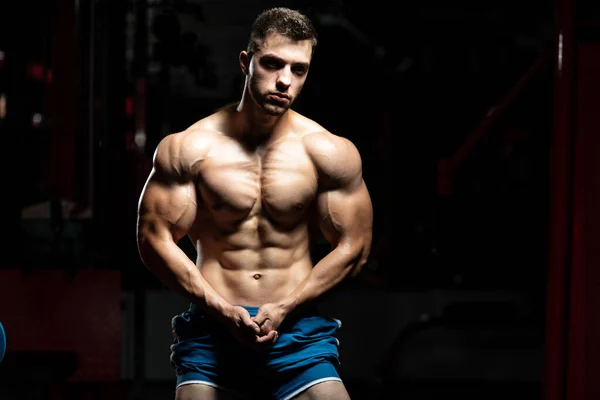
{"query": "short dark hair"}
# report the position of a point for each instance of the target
(283, 21)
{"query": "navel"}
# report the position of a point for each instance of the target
(257, 276)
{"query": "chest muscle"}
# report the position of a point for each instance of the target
(280, 184)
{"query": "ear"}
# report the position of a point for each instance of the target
(245, 62)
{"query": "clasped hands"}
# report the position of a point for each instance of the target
(259, 330)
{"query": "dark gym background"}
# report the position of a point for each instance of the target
(478, 127)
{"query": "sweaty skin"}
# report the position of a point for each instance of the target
(245, 184)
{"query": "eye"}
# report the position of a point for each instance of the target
(270, 63)
(299, 71)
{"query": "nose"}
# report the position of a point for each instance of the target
(284, 80)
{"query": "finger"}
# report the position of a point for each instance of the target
(267, 327)
(269, 337)
(250, 323)
(265, 323)
(260, 317)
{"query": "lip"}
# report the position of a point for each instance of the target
(281, 98)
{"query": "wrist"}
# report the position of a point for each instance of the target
(217, 306)
(287, 305)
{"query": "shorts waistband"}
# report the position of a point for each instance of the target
(303, 309)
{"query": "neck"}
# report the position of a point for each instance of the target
(254, 122)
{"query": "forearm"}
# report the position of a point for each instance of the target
(326, 274)
(173, 267)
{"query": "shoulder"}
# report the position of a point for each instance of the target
(336, 158)
(180, 153)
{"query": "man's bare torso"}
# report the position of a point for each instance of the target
(254, 202)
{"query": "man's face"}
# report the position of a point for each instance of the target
(277, 72)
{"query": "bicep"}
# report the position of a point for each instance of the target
(346, 215)
(167, 209)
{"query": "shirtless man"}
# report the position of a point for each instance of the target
(246, 185)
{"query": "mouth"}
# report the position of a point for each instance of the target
(279, 98)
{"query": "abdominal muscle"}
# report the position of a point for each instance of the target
(250, 269)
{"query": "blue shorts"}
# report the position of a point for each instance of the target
(306, 353)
